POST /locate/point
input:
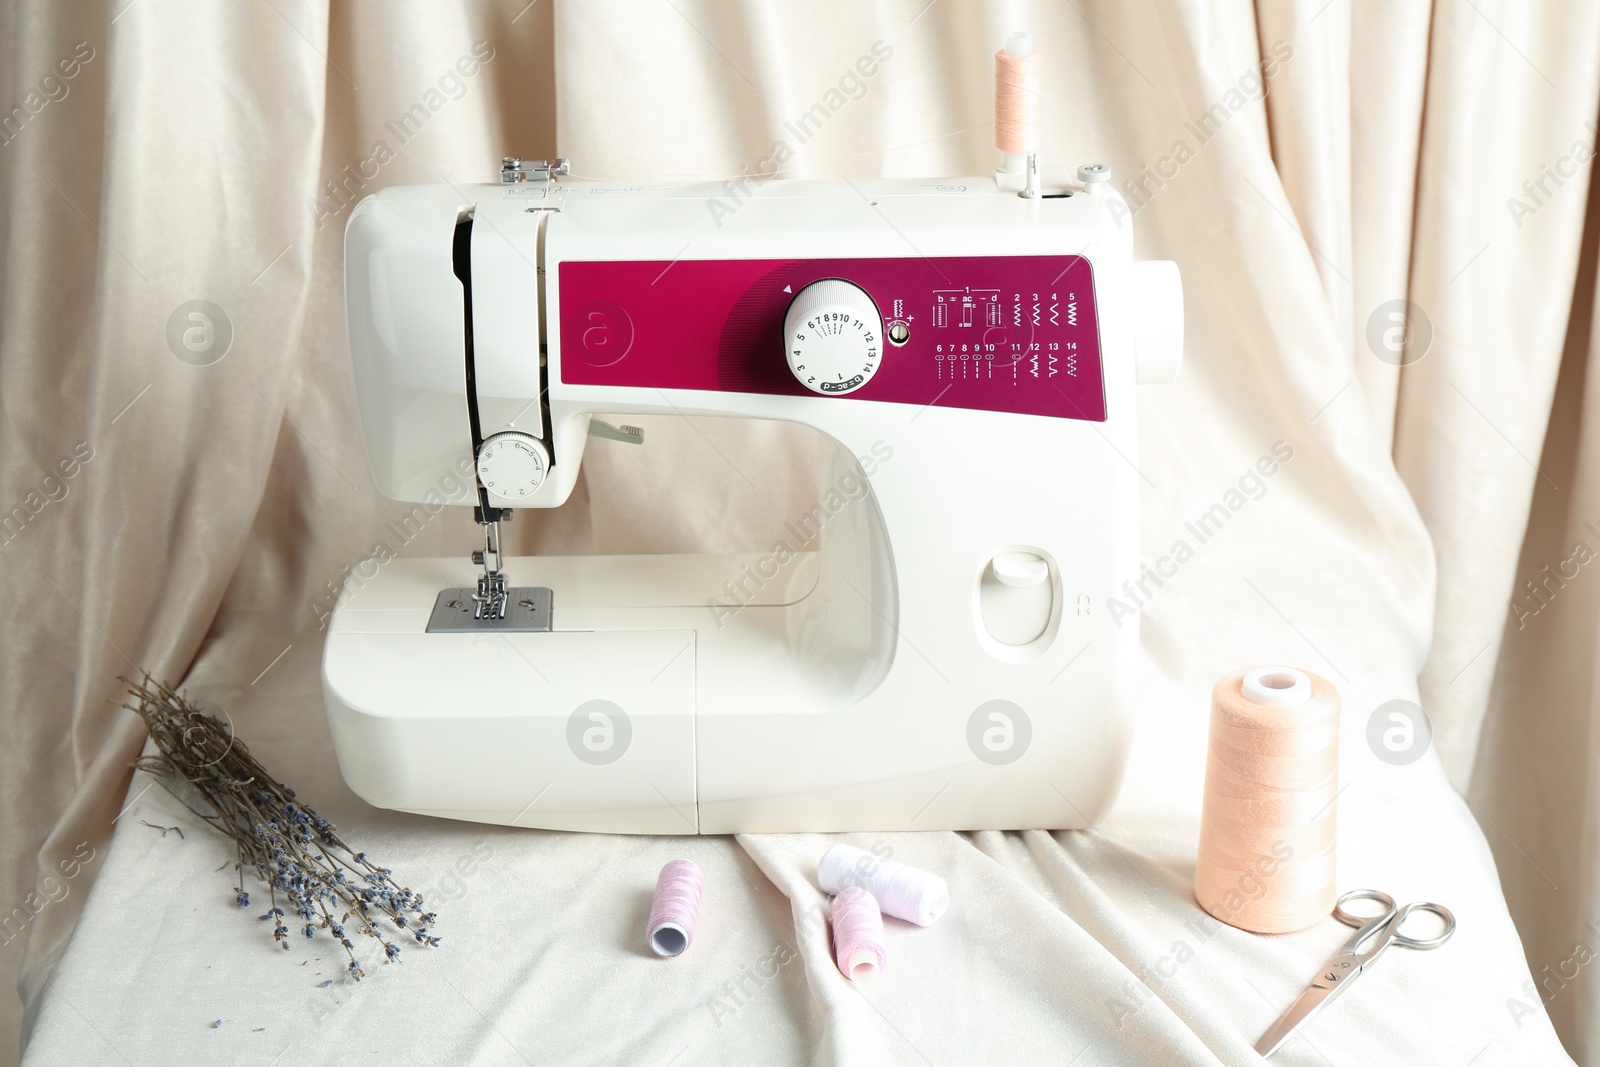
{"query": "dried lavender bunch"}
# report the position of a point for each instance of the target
(291, 848)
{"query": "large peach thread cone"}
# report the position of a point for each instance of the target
(1267, 829)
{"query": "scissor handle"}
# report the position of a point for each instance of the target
(1367, 927)
(1374, 895)
(1393, 919)
(1445, 915)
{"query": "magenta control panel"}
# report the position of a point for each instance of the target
(999, 333)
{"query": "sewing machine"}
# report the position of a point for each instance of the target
(928, 647)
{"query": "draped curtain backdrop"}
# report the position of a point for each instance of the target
(1383, 213)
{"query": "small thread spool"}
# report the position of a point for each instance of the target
(675, 908)
(1017, 96)
(858, 946)
(1267, 828)
(903, 891)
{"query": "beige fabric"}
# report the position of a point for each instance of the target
(1055, 945)
(208, 507)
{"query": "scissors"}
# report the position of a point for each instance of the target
(1374, 933)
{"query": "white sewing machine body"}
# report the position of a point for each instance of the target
(928, 650)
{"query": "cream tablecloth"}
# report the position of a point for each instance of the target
(1071, 947)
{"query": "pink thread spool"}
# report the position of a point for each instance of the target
(858, 935)
(675, 908)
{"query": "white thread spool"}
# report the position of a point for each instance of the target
(903, 891)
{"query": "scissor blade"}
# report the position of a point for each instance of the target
(1310, 1002)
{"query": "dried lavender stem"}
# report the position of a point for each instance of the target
(289, 845)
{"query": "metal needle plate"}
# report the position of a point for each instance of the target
(527, 611)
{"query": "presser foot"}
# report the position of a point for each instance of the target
(524, 610)
(489, 602)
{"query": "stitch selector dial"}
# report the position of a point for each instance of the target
(512, 465)
(833, 337)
